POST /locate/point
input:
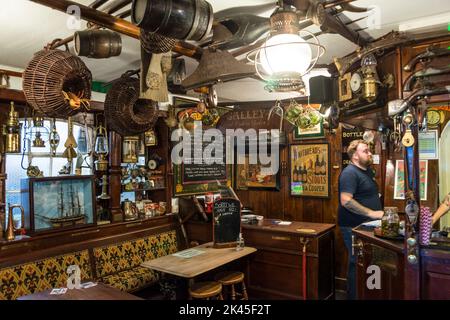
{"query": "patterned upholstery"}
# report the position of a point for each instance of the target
(41, 274)
(119, 264)
(132, 280)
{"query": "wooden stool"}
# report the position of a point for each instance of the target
(206, 290)
(231, 278)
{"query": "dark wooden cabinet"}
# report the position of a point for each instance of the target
(276, 269)
(435, 269)
(385, 254)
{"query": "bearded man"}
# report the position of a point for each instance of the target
(359, 201)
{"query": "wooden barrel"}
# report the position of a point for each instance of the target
(97, 44)
(181, 19)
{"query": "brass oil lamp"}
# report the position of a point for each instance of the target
(12, 131)
(101, 148)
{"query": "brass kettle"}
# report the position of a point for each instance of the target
(9, 234)
(130, 210)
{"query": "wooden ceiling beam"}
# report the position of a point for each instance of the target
(116, 24)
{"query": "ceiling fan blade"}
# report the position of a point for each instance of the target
(256, 10)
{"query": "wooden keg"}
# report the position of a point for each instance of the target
(97, 44)
(182, 19)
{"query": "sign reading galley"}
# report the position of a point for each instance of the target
(226, 222)
(310, 170)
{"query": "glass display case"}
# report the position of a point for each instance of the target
(58, 202)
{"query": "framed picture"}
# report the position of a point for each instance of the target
(310, 133)
(399, 182)
(150, 138)
(249, 176)
(428, 145)
(310, 170)
(345, 93)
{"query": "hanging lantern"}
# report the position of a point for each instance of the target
(101, 148)
(129, 149)
(12, 131)
(54, 139)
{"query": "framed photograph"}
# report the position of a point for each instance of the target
(249, 176)
(315, 132)
(399, 182)
(310, 170)
(345, 92)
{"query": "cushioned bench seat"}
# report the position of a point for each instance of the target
(119, 264)
(43, 274)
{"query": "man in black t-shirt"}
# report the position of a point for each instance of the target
(359, 200)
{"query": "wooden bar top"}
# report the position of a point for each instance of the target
(190, 267)
(367, 234)
(306, 229)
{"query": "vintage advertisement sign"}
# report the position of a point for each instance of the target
(310, 170)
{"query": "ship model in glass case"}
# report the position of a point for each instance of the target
(58, 202)
(70, 212)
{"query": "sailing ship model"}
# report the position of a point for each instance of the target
(69, 215)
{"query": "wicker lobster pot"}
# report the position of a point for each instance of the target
(48, 74)
(125, 113)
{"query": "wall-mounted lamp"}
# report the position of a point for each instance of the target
(286, 56)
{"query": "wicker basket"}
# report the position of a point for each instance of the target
(48, 74)
(155, 43)
(125, 113)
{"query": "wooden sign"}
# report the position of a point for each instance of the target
(226, 222)
(192, 178)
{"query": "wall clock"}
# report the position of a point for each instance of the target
(355, 82)
(433, 117)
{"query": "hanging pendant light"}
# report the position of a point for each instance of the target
(286, 56)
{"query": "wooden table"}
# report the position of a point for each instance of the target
(188, 268)
(99, 292)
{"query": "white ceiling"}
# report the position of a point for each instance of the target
(25, 27)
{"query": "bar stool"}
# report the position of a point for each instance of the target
(230, 279)
(206, 290)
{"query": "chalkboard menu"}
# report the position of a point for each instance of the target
(226, 222)
(199, 178)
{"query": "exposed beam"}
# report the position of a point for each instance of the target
(116, 24)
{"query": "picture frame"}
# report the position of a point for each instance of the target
(345, 92)
(399, 180)
(315, 132)
(309, 172)
(248, 176)
(429, 145)
(150, 138)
